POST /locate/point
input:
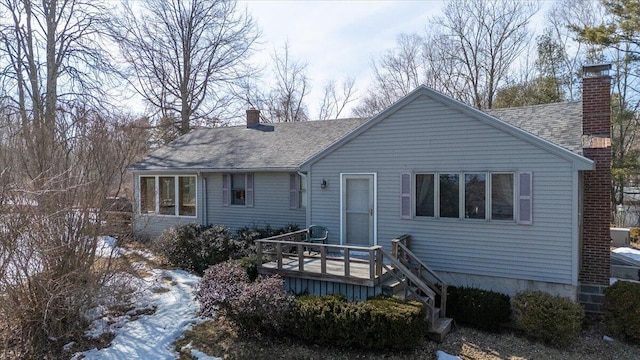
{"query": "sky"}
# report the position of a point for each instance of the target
(336, 38)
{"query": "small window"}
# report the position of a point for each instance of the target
(425, 200)
(147, 195)
(474, 196)
(449, 195)
(502, 197)
(167, 195)
(187, 195)
(238, 189)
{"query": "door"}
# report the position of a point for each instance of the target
(358, 209)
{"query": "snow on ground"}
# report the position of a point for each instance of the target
(628, 252)
(441, 355)
(165, 309)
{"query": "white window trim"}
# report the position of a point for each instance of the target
(176, 195)
(461, 196)
(249, 191)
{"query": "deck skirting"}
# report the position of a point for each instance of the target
(353, 292)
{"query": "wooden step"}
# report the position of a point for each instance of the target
(440, 329)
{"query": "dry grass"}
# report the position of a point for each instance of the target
(218, 338)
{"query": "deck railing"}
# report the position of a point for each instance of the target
(400, 250)
(292, 246)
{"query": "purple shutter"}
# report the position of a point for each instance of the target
(405, 196)
(525, 198)
(226, 198)
(294, 191)
(249, 190)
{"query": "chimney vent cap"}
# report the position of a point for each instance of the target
(595, 70)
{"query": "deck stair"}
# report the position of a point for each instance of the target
(408, 278)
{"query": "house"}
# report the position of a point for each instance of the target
(508, 200)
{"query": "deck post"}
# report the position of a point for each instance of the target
(323, 260)
(258, 253)
(379, 261)
(372, 264)
(300, 257)
(394, 248)
(279, 255)
(347, 270)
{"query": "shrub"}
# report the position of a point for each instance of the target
(259, 306)
(634, 235)
(555, 320)
(195, 247)
(481, 309)
(622, 310)
(379, 323)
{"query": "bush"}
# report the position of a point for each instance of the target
(379, 323)
(622, 310)
(259, 306)
(194, 247)
(555, 320)
(480, 309)
(634, 235)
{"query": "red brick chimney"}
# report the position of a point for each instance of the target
(596, 142)
(253, 117)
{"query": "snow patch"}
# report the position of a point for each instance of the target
(144, 335)
(441, 355)
(628, 252)
(198, 354)
(106, 247)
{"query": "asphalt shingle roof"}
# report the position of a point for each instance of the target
(559, 123)
(289, 144)
(236, 147)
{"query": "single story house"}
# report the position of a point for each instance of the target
(507, 199)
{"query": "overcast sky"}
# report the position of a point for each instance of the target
(336, 38)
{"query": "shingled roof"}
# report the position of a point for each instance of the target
(291, 144)
(240, 148)
(559, 123)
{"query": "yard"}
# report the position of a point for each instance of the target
(165, 322)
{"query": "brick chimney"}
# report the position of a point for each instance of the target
(596, 142)
(253, 118)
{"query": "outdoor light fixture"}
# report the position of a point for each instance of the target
(324, 184)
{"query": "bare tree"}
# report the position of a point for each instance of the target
(487, 38)
(282, 97)
(186, 55)
(335, 101)
(395, 74)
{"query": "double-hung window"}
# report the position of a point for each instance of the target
(469, 195)
(168, 195)
(237, 189)
(297, 191)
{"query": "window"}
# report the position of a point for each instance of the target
(167, 195)
(482, 195)
(502, 197)
(303, 191)
(474, 196)
(238, 189)
(449, 195)
(425, 195)
(147, 195)
(187, 195)
(160, 194)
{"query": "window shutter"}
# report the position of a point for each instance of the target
(294, 191)
(249, 190)
(226, 198)
(525, 198)
(405, 196)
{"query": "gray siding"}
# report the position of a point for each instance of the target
(270, 203)
(271, 206)
(426, 136)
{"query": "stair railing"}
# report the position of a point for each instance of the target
(400, 250)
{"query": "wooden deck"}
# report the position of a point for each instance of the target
(356, 271)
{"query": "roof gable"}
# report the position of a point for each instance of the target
(579, 162)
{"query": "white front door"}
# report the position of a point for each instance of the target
(358, 209)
